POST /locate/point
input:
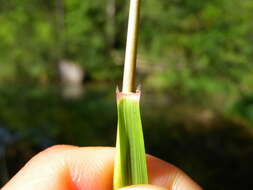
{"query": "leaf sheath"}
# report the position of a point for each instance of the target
(130, 164)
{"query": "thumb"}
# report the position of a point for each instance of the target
(142, 187)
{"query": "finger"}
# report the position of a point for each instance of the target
(66, 168)
(166, 175)
(74, 168)
(142, 187)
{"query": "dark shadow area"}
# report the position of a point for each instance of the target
(215, 151)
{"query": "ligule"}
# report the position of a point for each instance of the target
(130, 164)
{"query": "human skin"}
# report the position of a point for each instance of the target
(65, 167)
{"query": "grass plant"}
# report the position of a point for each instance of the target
(130, 163)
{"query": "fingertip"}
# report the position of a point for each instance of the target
(92, 167)
(166, 175)
(184, 182)
(65, 167)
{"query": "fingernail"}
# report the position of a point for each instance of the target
(142, 187)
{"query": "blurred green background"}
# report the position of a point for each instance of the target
(61, 60)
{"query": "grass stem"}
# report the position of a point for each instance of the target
(131, 47)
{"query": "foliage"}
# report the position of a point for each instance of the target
(205, 46)
(130, 162)
(193, 43)
(192, 52)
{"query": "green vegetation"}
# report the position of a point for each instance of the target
(188, 48)
(130, 165)
(195, 66)
(194, 43)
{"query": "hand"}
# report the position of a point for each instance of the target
(66, 167)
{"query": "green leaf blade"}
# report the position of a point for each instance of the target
(130, 164)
